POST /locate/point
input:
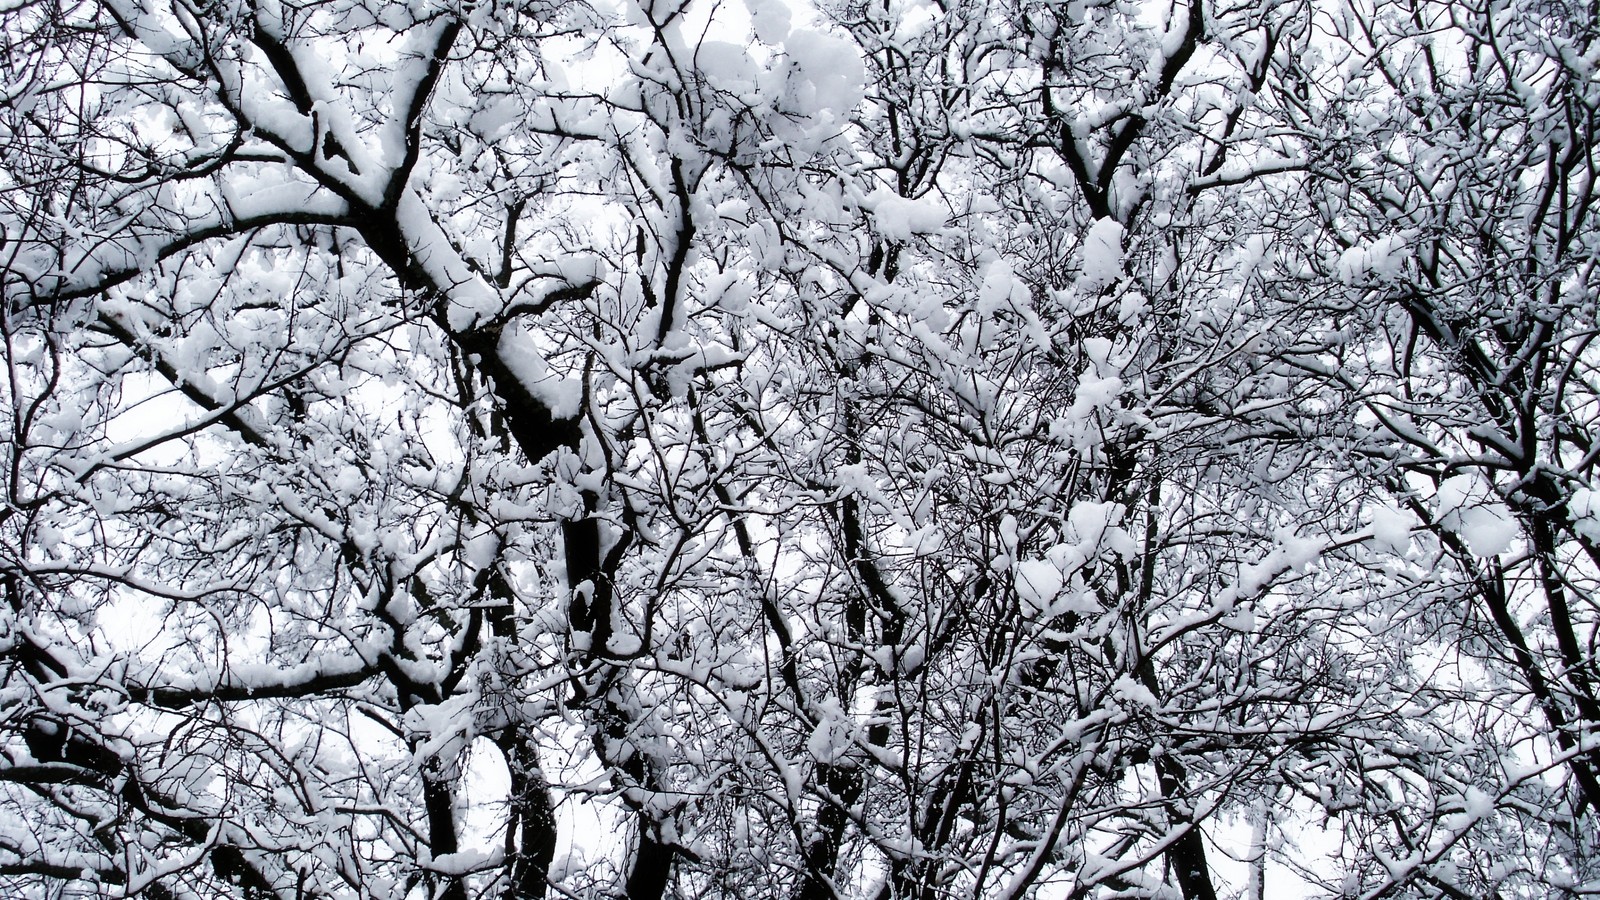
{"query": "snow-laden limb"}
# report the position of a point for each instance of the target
(259, 682)
(130, 248)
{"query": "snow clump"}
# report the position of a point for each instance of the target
(829, 74)
(898, 218)
(1102, 254)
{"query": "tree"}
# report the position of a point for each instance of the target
(1452, 178)
(888, 449)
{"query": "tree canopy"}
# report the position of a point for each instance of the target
(876, 449)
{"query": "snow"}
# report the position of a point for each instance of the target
(1131, 692)
(1488, 530)
(1584, 508)
(496, 116)
(1477, 804)
(1038, 582)
(1095, 393)
(1008, 532)
(1177, 31)
(1001, 288)
(1102, 254)
(273, 115)
(1453, 493)
(465, 862)
(471, 300)
(562, 396)
(829, 76)
(1243, 620)
(925, 541)
(830, 741)
(911, 658)
(770, 19)
(1465, 505)
(1090, 521)
(482, 549)
(1380, 261)
(726, 65)
(900, 218)
(1391, 529)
